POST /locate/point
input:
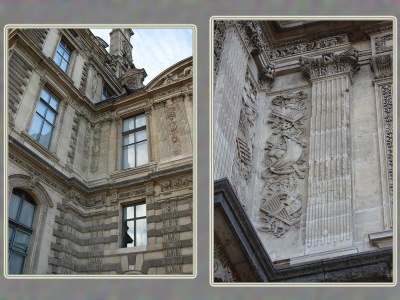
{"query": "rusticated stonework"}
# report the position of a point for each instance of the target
(284, 160)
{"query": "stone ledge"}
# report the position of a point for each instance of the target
(381, 239)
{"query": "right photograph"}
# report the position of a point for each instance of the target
(303, 154)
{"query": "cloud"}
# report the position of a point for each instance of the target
(156, 49)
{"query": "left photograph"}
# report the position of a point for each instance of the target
(100, 166)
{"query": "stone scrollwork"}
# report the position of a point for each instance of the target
(285, 164)
(219, 38)
(308, 46)
(253, 36)
(330, 64)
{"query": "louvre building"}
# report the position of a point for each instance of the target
(303, 150)
(100, 166)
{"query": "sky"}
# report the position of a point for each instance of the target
(155, 49)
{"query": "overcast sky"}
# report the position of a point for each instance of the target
(156, 49)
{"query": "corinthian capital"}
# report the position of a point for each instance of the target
(330, 64)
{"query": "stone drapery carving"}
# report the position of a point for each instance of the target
(285, 164)
(330, 64)
(384, 43)
(308, 46)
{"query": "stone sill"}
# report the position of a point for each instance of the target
(25, 136)
(381, 239)
(144, 169)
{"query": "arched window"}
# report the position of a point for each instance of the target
(21, 212)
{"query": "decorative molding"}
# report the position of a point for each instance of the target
(173, 127)
(175, 183)
(304, 47)
(219, 40)
(330, 64)
(223, 269)
(95, 150)
(133, 193)
(267, 77)
(382, 65)
(73, 140)
(85, 150)
(384, 43)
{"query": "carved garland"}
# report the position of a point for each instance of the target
(285, 164)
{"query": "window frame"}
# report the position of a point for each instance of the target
(135, 143)
(43, 119)
(108, 93)
(124, 227)
(18, 226)
(64, 47)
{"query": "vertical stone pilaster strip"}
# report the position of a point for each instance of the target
(329, 212)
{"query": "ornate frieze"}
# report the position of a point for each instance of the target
(176, 183)
(330, 64)
(132, 193)
(83, 201)
(285, 164)
(304, 47)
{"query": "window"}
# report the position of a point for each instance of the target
(134, 231)
(44, 119)
(62, 55)
(21, 212)
(105, 94)
(134, 142)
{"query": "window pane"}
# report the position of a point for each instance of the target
(141, 233)
(140, 210)
(130, 234)
(129, 212)
(15, 263)
(128, 139)
(27, 213)
(54, 103)
(57, 59)
(41, 108)
(128, 157)
(45, 135)
(10, 233)
(50, 116)
(36, 127)
(140, 120)
(140, 136)
(13, 207)
(66, 56)
(63, 65)
(128, 124)
(21, 241)
(142, 157)
(45, 95)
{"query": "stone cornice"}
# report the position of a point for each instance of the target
(62, 182)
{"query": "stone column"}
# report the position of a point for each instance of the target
(329, 213)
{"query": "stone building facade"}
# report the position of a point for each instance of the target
(303, 150)
(100, 167)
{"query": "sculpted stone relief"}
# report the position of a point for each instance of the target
(241, 169)
(285, 164)
(223, 269)
(384, 43)
(330, 64)
(253, 35)
(308, 46)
